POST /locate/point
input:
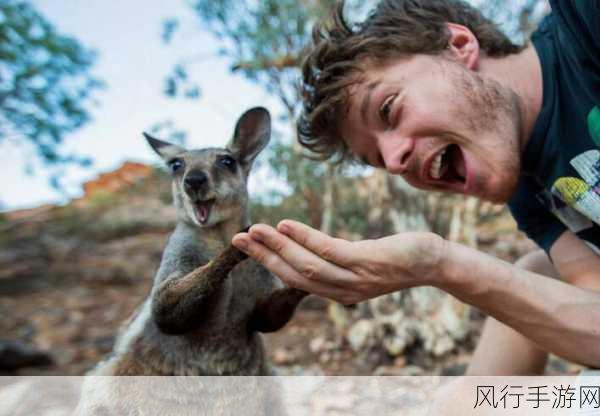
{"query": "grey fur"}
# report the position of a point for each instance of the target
(212, 325)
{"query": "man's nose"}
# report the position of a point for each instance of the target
(396, 153)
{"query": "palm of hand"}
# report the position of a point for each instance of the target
(348, 272)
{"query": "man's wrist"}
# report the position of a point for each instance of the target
(460, 270)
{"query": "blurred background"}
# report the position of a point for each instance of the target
(85, 207)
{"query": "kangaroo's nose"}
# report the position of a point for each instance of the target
(195, 180)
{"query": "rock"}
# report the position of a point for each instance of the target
(360, 333)
(339, 315)
(486, 237)
(15, 355)
(396, 344)
(283, 356)
(325, 357)
(117, 180)
(435, 338)
(317, 345)
(400, 361)
(443, 345)
(410, 370)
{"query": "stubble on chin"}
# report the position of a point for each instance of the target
(492, 110)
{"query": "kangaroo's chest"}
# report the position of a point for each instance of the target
(249, 283)
(221, 343)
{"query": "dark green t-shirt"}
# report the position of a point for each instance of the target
(559, 187)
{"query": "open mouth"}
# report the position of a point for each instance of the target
(203, 209)
(449, 166)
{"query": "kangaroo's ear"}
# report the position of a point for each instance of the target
(165, 150)
(252, 133)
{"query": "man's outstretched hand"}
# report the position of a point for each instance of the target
(345, 271)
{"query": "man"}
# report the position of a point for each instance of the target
(432, 91)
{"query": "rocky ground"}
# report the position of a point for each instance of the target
(69, 276)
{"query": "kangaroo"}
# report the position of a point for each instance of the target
(209, 303)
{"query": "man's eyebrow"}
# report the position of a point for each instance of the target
(364, 107)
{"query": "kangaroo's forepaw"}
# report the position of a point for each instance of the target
(226, 260)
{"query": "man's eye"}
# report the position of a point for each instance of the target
(386, 109)
(175, 165)
(226, 161)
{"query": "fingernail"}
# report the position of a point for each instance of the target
(283, 228)
(241, 244)
(256, 235)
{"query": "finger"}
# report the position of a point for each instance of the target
(304, 261)
(335, 250)
(262, 254)
(286, 273)
(266, 257)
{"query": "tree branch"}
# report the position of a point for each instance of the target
(279, 63)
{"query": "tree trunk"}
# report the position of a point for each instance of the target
(328, 200)
(336, 312)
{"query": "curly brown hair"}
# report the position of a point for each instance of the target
(394, 29)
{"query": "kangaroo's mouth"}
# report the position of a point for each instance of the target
(202, 210)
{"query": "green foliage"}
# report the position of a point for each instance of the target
(274, 211)
(169, 28)
(44, 83)
(351, 208)
(178, 84)
(294, 167)
(266, 42)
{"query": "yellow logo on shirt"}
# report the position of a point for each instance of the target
(584, 194)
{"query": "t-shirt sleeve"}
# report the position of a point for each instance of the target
(532, 217)
(582, 18)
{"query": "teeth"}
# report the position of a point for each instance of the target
(436, 167)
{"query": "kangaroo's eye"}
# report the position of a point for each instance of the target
(175, 165)
(226, 161)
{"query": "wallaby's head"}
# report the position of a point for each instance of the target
(209, 185)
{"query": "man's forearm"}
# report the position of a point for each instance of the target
(560, 318)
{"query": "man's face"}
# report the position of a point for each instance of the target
(439, 125)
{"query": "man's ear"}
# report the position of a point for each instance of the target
(251, 135)
(463, 46)
(165, 150)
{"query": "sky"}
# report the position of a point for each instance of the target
(133, 61)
